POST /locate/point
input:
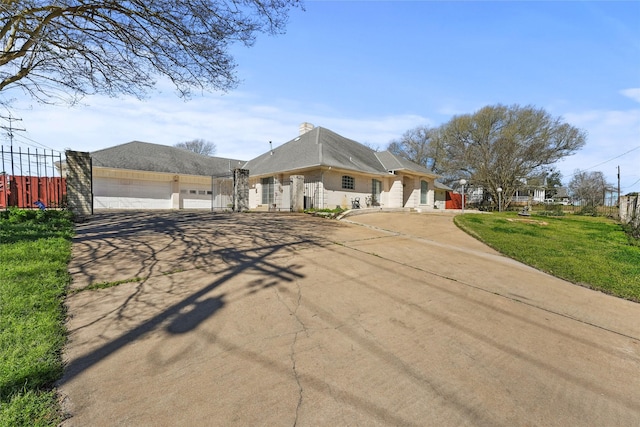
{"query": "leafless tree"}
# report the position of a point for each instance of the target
(417, 145)
(589, 188)
(199, 146)
(371, 146)
(65, 49)
(501, 147)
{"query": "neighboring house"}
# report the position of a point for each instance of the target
(473, 194)
(140, 175)
(562, 196)
(526, 193)
(338, 172)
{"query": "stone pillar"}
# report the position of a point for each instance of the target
(297, 193)
(240, 190)
(79, 184)
(630, 209)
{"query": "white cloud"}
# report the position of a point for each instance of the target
(239, 126)
(633, 93)
(611, 134)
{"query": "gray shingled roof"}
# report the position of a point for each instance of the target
(323, 147)
(442, 186)
(561, 192)
(144, 156)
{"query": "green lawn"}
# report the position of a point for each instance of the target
(35, 248)
(591, 251)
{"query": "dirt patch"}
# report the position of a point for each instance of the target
(528, 221)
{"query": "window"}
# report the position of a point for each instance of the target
(348, 183)
(192, 191)
(202, 191)
(424, 188)
(376, 190)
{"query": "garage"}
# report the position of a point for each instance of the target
(196, 197)
(122, 193)
(140, 175)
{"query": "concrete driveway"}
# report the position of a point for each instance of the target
(289, 320)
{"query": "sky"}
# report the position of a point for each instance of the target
(371, 70)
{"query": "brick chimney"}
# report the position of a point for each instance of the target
(304, 128)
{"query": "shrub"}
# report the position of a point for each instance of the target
(588, 211)
(632, 229)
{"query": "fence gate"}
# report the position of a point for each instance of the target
(31, 179)
(313, 194)
(222, 192)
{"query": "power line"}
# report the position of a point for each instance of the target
(35, 142)
(607, 161)
(10, 129)
(627, 186)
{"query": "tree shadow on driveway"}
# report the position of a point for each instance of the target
(154, 246)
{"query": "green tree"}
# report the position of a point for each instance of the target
(65, 49)
(554, 181)
(500, 146)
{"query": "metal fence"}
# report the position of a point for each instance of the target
(313, 194)
(221, 193)
(31, 179)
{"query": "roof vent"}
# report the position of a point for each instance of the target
(304, 128)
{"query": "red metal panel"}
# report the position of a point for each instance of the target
(25, 191)
(453, 200)
(4, 191)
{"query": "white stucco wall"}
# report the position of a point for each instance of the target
(333, 195)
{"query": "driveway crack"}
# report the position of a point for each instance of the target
(292, 353)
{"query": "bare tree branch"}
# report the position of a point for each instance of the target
(199, 146)
(589, 188)
(81, 47)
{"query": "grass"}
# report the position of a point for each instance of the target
(591, 251)
(106, 285)
(35, 248)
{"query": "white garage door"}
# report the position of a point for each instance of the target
(111, 193)
(196, 197)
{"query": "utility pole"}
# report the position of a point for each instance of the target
(618, 185)
(10, 129)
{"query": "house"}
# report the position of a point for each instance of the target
(141, 175)
(526, 192)
(338, 172)
(562, 196)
